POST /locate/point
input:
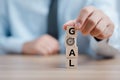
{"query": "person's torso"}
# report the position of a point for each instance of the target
(28, 18)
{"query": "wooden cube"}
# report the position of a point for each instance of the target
(72, 64)
(71, 52)
(70, 41)
(71, 31)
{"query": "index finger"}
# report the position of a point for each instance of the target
(84, 14)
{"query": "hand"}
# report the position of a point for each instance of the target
(45, 45)
(93, 21)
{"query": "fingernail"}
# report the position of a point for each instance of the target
(78, 25)
(64, 27)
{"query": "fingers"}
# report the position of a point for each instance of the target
(91, 22)
(108, 31)
(99, 28)
(52, 46)
(69, 23)
(42, 50)
(54, 43)
(84, 14)
(48, 46)
(104, 29)
(45, 45)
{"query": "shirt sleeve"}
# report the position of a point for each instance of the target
(11, 45)
(8, 43)
(109, 8)
(62, 43)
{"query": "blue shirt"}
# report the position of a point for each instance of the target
(25, 20)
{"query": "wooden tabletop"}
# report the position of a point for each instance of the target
(18, 67)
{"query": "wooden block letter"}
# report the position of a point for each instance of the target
(71, 31)
(72, 64)
(72, 52)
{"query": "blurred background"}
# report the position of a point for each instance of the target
(118, 7)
